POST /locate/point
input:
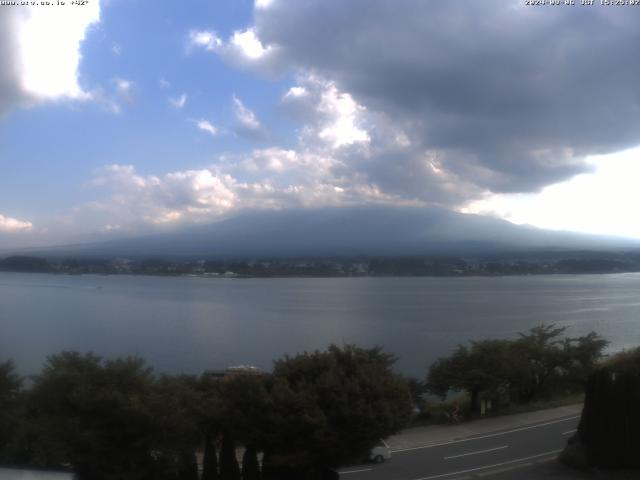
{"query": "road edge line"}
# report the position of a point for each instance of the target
(469, 439)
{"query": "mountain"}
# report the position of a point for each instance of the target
(368, 231)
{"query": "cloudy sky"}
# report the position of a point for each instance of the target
(122, 117)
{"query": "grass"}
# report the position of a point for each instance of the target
(441, 413)
(540, 404)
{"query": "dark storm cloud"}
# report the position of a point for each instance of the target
(511, 97)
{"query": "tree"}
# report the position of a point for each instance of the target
(417, 390)
(250, 466)
(25, 264)
(543, 356)
(95, 416)
(626, 362)
(175, 403)
(327, 408)
(187, 466)
(519, 369)
(210, 459)
(608, 431)
(229, 469)
(485, 367)
(10, 409)
(582, 355)
(211, 415)
(540, 355)
(244, 400)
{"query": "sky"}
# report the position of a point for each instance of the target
(124, 117)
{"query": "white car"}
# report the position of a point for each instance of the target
(380, 452)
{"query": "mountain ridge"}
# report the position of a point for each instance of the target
(353, 231)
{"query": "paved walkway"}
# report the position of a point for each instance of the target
(420, 436)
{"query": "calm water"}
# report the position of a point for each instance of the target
(191, 324)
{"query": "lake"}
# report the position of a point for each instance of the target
(189, 324)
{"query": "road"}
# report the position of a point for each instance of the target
(472, 457)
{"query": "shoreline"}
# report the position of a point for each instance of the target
(310, 276)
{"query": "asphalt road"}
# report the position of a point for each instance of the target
(483, 455)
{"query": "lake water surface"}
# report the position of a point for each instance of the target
(186, 324)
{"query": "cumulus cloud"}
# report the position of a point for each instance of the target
(208, 40)
(467, 82)
(247, 44)
(269, 178)
(406, 102)
(369, 148)
(346, 155)
(40, 53)
(156, 200)
(243, 47)
(13, 225)
(284, 168)
(206, 126)
(331, 115)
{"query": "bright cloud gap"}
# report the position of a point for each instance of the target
(598, 203)
(13, 225)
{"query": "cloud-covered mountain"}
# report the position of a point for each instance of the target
(286, 104)
(345, 232)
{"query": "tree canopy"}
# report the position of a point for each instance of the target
(326, 408)
(520, 369)
(114, 419)
(10, 388)
(608, 431)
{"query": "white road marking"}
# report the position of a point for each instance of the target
(504, 469)
(552, 452)
(569, 432)
(355, 471)
(545, 460)
(477, 452)
(400, 450)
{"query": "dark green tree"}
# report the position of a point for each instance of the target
(539, 355)
(245, 399)
(608, 431)
(229, 469)
(539, 362)
(547, 362)
(626, 362)
(250, 466)
(328, 408)
(486, 367)
(210, 459)
(213, 416)
(95, 416)
(188, 466)
(581, 356)
(175, 403)
(25, 264)
(11, 411)
(417, 389)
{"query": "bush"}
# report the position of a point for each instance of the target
(610, 422)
